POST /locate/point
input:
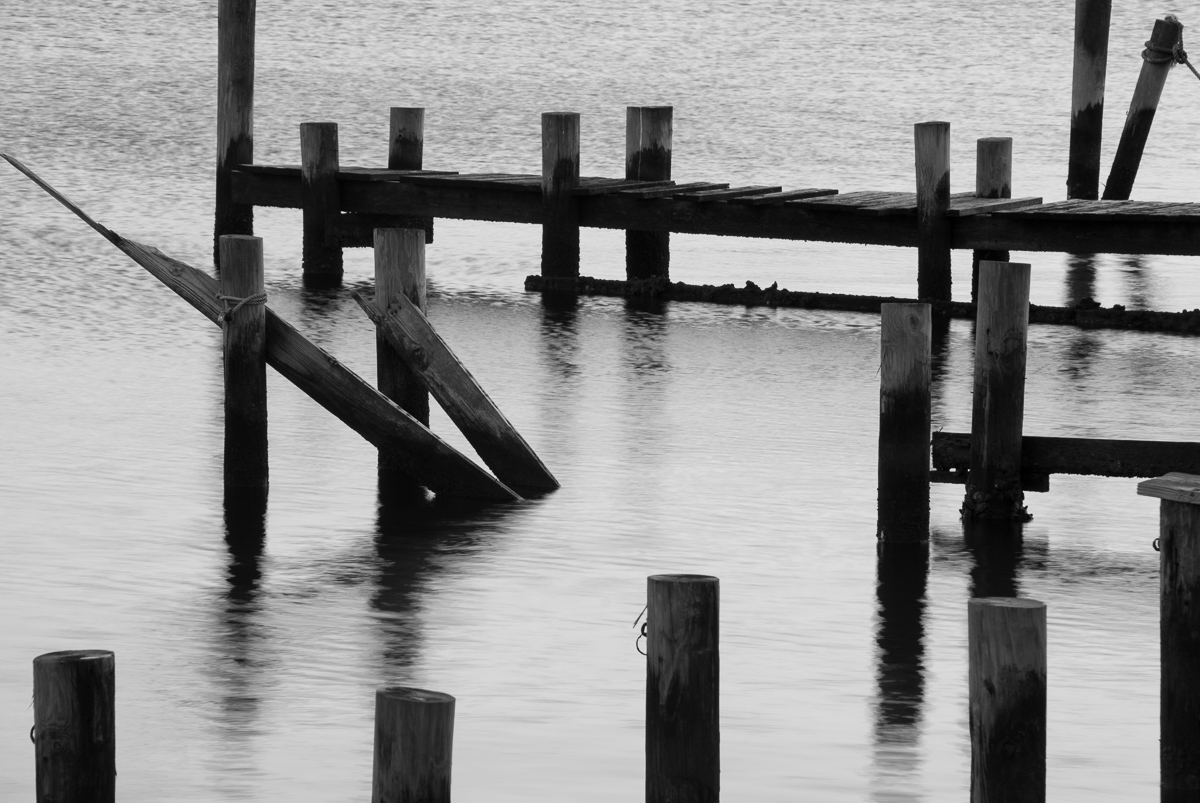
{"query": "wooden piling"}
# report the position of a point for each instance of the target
(648, 132)
(932, 142)
(560, 176)
(1092, 18)
(904, 419)
(235, 114)
(1179, 627)
(400, 270)
(998, 406)
(1007, 692)
(243, 291)
(683, 739)
(993, 179)
(74, 726)
(322, 263)
(414, 741)
(406, 151)
(1156, 64)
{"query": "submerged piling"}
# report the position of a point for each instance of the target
(683, 737)
(414, 744)
(560, 177)
(244, 330)
(1007, 692)
(1179, 630)
(1157, 60)
(1092, 19)
(235, 115)
(648, 133)
(932, 145)
(904, 420)
(322, 263)
(998, 405)
(993, 179)
(74, 726)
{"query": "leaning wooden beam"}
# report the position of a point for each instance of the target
(496, 440)
(1105, 458)
(331, 384)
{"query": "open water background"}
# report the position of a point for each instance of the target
(721, 440)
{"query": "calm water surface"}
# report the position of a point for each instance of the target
(729, 441)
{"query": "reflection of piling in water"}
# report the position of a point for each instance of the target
(244, 330)
(74, 726)
(1007, 691)
(414, 744)
(1179, 695)
(904, 411)
(902, 571)
(683, 736)
(997, 549)
(648, 132)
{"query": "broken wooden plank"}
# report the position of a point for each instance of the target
(706, 196)
(1175, 486)
(495, 440)
(1093, 456)
(660, 192)
(605, 186)
(336, 388)
(786, 195)
(963, 207)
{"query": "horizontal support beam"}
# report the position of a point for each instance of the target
(1092, 456)
(1101, 235)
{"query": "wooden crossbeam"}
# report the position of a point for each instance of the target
(1094, 456)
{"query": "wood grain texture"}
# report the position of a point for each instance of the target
(560, 207)
(1007, 697)
(649, 131)
(932, 147)
(414, 746)
(1175, 486)
(683, 737)
(406, 138)
(322, 262)
(904, 420)
(998, 403)
(399, 271)
(436, 367)
(74, 722)
(235, 114)
(1140, 116)
(244, 345)
(1179, 697)
(993, 181)
(1092, 18)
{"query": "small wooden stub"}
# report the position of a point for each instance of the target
(414, 745)
(1175, 486)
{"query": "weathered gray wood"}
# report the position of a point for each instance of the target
(406, 150)
(965, 207)
(245, 350)
(648, 134)
(605, 186)
(414, 746)
(785, 195)
(74, 725)
(932, 146)
(406, 330)
(1087, 97)
(683, 736)
(1091, 456)
(560, 207)
(235, 114)
(1140, 116)
(1179, 580)
(993, 180)
(355, 230)
(1007, 691)
(672, 189)
(904, 420)
(998, 404)
(399, 272)
(322, 262)
(707, 196)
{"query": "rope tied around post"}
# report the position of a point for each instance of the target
(238, 303)
(1161, 55)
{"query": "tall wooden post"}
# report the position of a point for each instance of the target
(560, 176)
(406, 149)
(1179, 627)
(74, 726)
(235, 114)
(322, 263)
(1007, 691)
(399, 270)
(993, 179)
(932, 142)
(414, 743)
(1157, 62)
(1092, 19)
(904, 416)
(683, 737)
(648, 131)
(998, 406)
(243, 291)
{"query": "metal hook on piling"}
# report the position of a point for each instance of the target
(1154, 544)
(637, 643)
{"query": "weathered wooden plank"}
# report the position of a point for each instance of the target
(1105, 458)
(1175, 486)
(846, 201)
(704, 196)
(661, 192)
(964, 207)
(495, 440)
(607, 185)
(786, 195)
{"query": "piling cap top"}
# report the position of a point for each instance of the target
(683, 578)
(1006, 602)
(72, 656)
(1176, 487)
(410, 694)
